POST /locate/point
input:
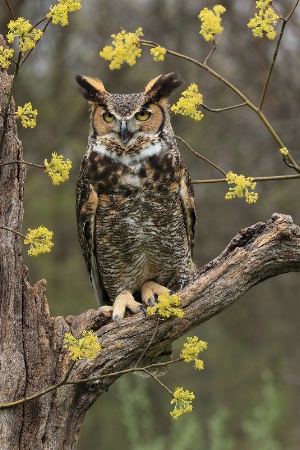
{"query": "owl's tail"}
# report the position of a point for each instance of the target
(164, 356)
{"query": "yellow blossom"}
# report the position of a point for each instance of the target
(166, 306)
(59, 13)
(158, 53)
(211, 22)
(87, 346)
(5, 55)
(191, 350)
(125, 48)
(28, 36)
(264, 20)
(183, 402)
(58, 169)
(40, 240)
(284, 151)
(27, 115)
(188, 102)
(262, 4)
(242, 187)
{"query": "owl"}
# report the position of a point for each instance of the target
(134, 198)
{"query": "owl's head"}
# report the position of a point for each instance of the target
(124, 117)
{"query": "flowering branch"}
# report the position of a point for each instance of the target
(43, 31)
(245, 99)
(275, 177)
(40, 239)
(67, 381)
(57, 169)
(88, 347)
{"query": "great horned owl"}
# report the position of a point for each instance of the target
(134, 200)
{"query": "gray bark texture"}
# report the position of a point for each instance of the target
(32, 357)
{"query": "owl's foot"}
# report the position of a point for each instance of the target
(123, 301)
(150, 289)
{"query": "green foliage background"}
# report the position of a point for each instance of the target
(248, 395)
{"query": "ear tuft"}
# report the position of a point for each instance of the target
(162, 86)
(92, 89)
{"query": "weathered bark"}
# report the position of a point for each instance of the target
(31, 350)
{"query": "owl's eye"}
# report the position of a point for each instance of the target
(143, 114)
(108, 117)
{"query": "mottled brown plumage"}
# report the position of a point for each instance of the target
(134, 200)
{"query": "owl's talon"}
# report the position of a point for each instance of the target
(151, 302)
(117, 320)
(142, 308)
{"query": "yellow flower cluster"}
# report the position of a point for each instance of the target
(5, 55)
(166, 306)
(158, 53)
(125, 48)
(40, 240)
(262, 4)
(284, 151)
(59, 13)
(211, 22)
(183, 402)
(242, 187)
(85, 347)
(188, 102)
(264, 20)
(191, 350)
(27, 115)
(28, 36)
(58, 169)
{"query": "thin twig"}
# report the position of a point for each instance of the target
(149, 343)
(13, 231)
(200, 156)
(123, 372)
(41, 393)
(211, 52)
(10, 9)
(292, 11)
(263, 95)
(18, 161)
(227, 108)
(159, 382)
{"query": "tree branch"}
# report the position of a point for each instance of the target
(261, 251)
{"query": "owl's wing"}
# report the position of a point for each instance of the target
(86, 206)
(186, 193)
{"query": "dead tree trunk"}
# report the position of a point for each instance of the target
(31, 351)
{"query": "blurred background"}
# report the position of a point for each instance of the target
(248, 396)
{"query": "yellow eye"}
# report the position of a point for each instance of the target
(143, 114)
(108, 117)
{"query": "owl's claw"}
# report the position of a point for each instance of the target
(143, 308)
(117, 320)
(151, 301)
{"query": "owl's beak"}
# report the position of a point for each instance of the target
(125, 133)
